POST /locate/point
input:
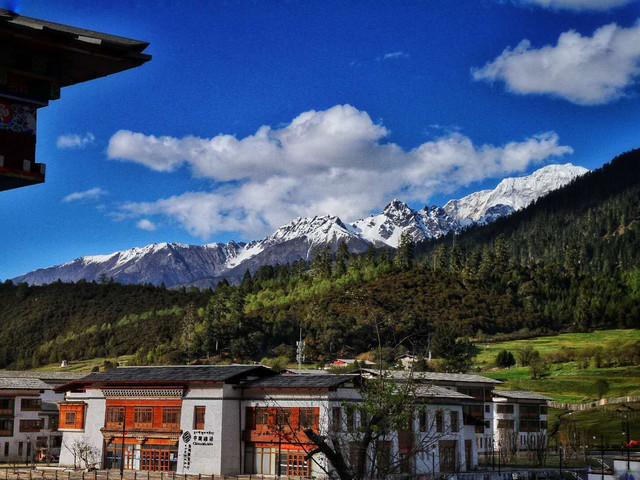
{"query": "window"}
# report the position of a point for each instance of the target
(20, 449)
(6, 405)
(532, 411)
(198, 418)
(262, 416)
(351, 421)
(472, 414)
(283, 417)
(143, 416)
(53, 423)
(454, 421)
(439, 421)
(70, 419)
(115, 416)
(6, 426)
(306, 418)
(543, 409)
(424, 421)
(487, 408)
(30, 404)
(6, 449)
(505, 408)
(31, 425)
(170, 416)
(336, 419)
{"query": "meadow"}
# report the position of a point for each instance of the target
(564, 382)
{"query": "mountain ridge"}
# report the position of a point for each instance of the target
(175, 264)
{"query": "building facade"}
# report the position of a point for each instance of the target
(520, 419)
(29, 415)
(244, 419)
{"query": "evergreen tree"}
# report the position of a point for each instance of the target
(342, 259)
(406, 252)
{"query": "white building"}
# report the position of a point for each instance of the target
(244, 419)
(520, 418)
(29, 415)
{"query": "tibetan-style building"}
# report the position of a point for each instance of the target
(37, 59)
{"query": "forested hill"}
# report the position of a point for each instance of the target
(569, 262)
(39, 324)
(589, 226)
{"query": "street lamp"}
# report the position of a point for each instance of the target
(601, 454)
(626, 432)
(499, 451)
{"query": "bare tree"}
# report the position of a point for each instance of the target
(537, 444)
(83, 452)
(509, 444)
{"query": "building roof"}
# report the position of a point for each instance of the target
(174, 374)
(75, 46)
(301, 381)
(22, 383)
(519, 395)
(81, 34)
(60, 376)
(434, 376)
(435, 391)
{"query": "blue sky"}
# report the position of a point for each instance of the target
(360, 102)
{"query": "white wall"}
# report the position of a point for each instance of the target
(93, 422)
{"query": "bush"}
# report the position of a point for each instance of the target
(505, 359)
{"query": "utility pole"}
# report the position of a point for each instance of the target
(300, 352)
(602, 454)
(124, 417)
(626, 421)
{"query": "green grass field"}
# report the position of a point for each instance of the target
(488, 351)
(564, 382)
(86, 365)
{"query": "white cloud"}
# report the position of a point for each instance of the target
(85, 195)
(584, 70)
(578, 5)
(393, 56)
(146, 224)
(336, 161)
(73, 140)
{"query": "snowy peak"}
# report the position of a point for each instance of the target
(177, 264)
(318, 229)
(514, 193)
(396, 218)
(397, 209)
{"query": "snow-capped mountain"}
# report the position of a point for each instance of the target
(397, 217)
(168, 263)
(514, 192)
(203, 265)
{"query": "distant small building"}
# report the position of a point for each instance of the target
(407, 360)
(343, 362)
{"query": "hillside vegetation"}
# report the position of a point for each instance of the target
(567, 263)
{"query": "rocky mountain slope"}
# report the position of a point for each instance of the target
(176, 264)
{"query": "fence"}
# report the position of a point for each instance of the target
(10, 473)
(590, 405)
